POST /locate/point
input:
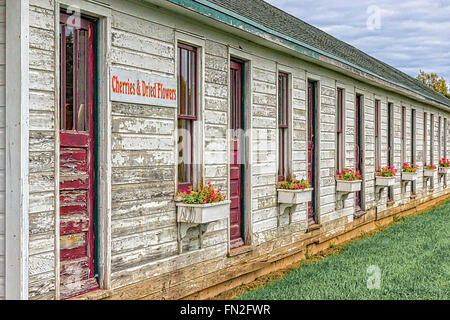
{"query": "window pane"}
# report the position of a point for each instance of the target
(283, 153)
(280, 154)
(339, 128)
(377, 138)
(445, 138)
(413, 134)
(283, 99)
(68, 108)
(235, 103)
(192, 83)
(431, 138)
(439, 137)
(185, 151)
(81, 81)
(182, 81)
(425, 137)
(377, 118)
(339, 112)
(187, 82)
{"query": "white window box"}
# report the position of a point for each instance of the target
(294, 196)
(348, 186)
(384, 181)
(290, 198)
(429, 173)
(344, 188)
(444, 170)
(409, 176)
(199, 215)
(202, 213)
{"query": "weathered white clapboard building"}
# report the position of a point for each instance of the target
(109, 107)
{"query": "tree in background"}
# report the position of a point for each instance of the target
(435, 82)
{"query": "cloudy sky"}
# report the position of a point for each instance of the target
(407, 34)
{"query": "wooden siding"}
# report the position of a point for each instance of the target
(42, 151)
(2, 148)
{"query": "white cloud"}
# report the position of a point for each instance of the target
(413, 34)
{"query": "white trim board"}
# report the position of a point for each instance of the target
(17, 137)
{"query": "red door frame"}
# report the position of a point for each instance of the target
(237, 206)
(312, 219)
(79, 139)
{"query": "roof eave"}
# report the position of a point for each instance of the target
(242, 24)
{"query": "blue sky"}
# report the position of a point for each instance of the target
(407, 34)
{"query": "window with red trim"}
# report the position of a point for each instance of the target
(187, 113)
(413, 146)
(413, 135)
(390, 145)
(403, 155)
(425, 156)
(445, 137)
(377, 135)
(431, 138)
(439, 139)
(340, 130)
(283, 125)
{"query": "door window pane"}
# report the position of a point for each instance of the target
(235, 102)
(81, 81)
(69, 49)
(73, 64)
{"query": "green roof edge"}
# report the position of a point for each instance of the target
(233, 19)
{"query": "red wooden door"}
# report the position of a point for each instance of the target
(311, 149)
(77, 157)
(236, 165)
(358, 149)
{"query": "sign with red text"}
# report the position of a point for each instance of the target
(142, 88)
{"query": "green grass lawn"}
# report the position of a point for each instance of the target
(413, 257)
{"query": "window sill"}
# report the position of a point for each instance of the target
(313, 227)
(359, 214)
(241, 250)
